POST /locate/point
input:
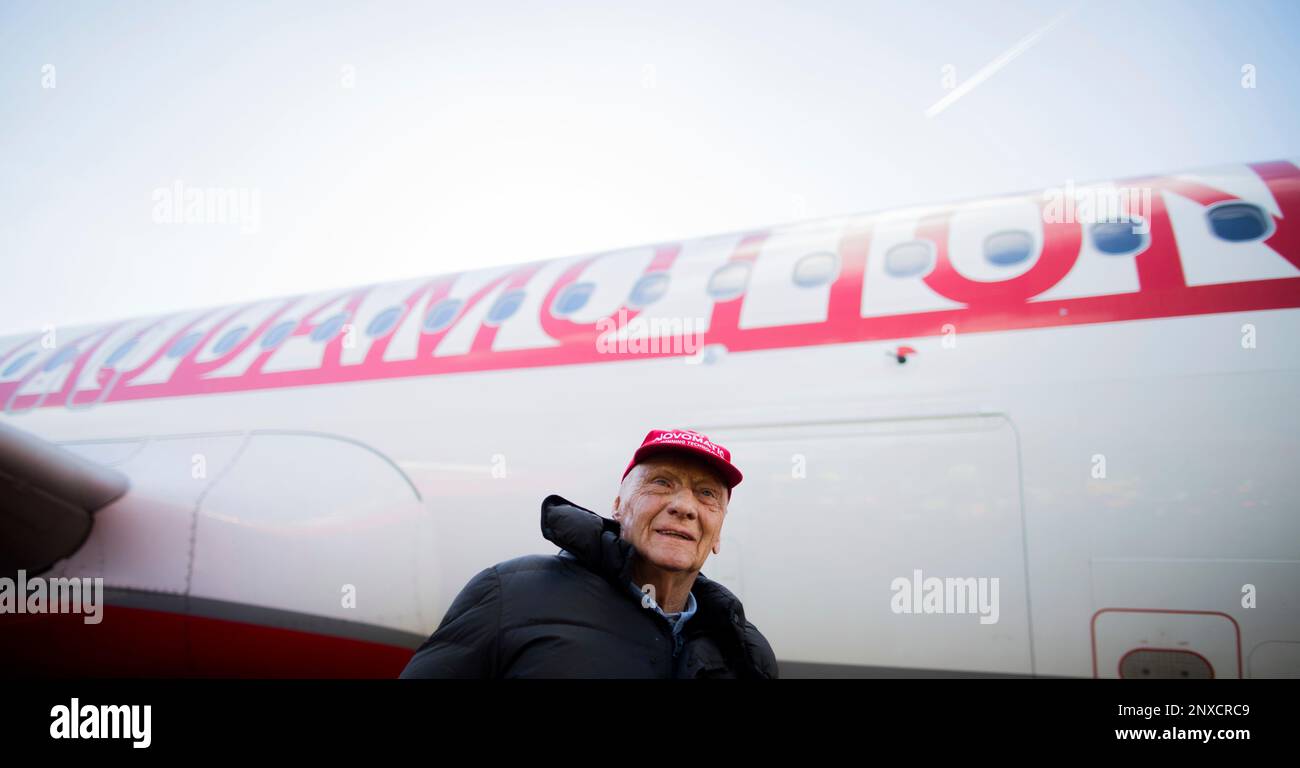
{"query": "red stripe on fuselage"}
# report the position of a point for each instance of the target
(136, 642)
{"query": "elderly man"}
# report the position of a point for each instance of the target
(623, 597)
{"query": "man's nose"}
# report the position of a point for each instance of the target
(683, 504)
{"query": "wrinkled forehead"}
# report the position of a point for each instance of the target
(691, 467)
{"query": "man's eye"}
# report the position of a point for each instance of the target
(710, 491)
(661, 480)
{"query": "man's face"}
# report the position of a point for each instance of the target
(670, 507)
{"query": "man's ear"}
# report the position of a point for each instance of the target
(717, 545)
(617, 500)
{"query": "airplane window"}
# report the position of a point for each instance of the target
(649, 288)
(441, 315)
(1117, 237)
(572, 298)
(1239, 222)
(729, 280)
(815, 269)
(504, 307)
(1010, 247)
(18, 363)
(278, 333)
(330, 328)
(383, 322)
(910, 259)
(122, 351)
(228, 340)
(59, 358)
(184, 344)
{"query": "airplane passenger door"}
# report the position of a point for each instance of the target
(834, 522)
(315, 533)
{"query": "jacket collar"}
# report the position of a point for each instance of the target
(595, 542)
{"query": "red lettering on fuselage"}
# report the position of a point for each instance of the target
(984, 306)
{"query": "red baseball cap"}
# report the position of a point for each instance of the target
(660, 440)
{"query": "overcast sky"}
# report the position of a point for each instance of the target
(384, 140)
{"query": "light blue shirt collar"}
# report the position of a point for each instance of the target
(677, 620)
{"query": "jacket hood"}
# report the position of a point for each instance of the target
(592, 539)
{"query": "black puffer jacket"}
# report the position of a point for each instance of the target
(559, 617)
